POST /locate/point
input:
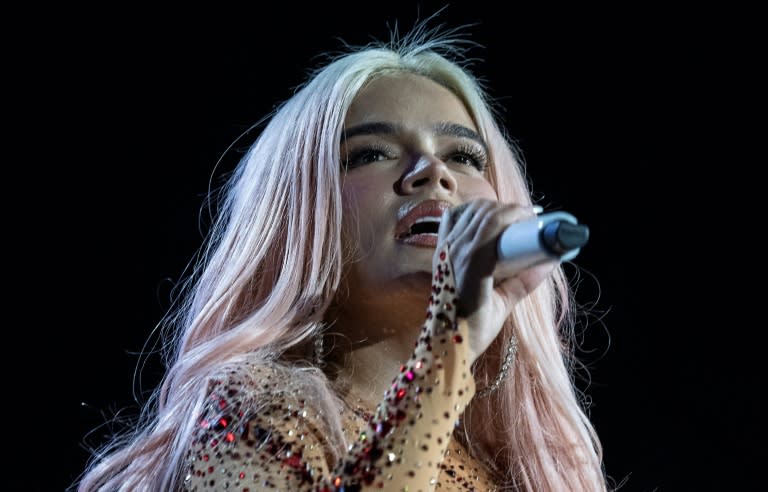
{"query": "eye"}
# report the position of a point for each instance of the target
(468, 155)
(367, 155)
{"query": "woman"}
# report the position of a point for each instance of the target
(346, 327)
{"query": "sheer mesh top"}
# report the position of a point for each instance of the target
(256, 433)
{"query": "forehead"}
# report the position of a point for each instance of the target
(409, 100)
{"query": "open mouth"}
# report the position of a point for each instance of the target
(419, 223)
(423, 225)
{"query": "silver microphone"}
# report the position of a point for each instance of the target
(544, 237)
(549, 236)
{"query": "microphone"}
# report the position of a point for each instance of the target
(548, 236)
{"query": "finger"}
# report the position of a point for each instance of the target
(457, 211)
(443, 230)
(515, 288)
(464, 214)
(446, 223)
(456, 220)
(462, 222)
(494, 223)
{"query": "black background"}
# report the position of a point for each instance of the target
(627, 119)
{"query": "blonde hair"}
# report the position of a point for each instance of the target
(272, 264)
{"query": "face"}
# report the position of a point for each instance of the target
(410, 149)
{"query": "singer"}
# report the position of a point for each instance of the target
(344, 329)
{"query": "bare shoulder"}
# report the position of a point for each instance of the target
(259, 419)
(239, 391)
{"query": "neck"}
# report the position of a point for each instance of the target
(371, 369)
(368, 341)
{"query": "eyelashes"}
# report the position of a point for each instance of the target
(467, 154)
(367, 154)
(462, 154)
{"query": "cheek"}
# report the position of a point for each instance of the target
(361, 202)
(478, 188)
(364, 217)
(359, 187)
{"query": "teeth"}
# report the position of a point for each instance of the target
(424, 225)
(427, 219)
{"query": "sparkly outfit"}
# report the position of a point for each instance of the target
(407, 445)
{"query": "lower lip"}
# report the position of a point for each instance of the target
(421, 240)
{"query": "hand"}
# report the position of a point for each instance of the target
(484, 300)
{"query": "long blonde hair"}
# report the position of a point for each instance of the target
(272, 263)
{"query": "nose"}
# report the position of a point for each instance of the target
(427, 171)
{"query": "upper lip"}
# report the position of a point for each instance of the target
(409, 213)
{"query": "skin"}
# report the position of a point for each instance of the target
(413, 162)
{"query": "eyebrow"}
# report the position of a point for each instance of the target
(443, 128)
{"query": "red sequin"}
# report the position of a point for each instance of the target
(293, 461)
(383, 428)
